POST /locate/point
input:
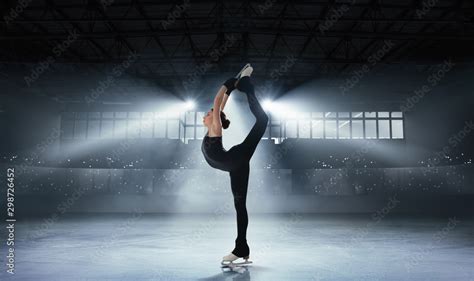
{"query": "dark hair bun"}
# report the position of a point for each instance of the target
(225, 124)
(224, 121)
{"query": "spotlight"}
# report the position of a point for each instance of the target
(279, 109)
(267, 105)
(190, 105)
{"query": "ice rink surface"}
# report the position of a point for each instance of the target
(136, 246)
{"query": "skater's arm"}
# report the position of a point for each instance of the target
(216, 112)
(224, 101)
(230, 86)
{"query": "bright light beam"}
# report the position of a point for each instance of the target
(279, 109)
(267, 105)
(190, 105)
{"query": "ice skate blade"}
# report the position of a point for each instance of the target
(237, 269)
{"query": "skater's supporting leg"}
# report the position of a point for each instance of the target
(239, 182)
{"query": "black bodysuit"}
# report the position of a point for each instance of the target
(236, 162)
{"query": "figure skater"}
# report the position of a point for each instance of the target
(235, 160)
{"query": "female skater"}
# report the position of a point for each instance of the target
(235, 160)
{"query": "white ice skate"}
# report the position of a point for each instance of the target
(230, 261)
(245, 67)
(246, 72)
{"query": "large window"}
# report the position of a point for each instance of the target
(188, 126)
(104, 125)
(339, 125)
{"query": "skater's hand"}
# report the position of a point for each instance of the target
(230, 85)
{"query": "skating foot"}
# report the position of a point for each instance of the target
(247, 71)
(231, 260)
(240, 72)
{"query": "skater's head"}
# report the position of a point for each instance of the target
(207, 120)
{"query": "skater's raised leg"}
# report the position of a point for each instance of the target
(250, 143)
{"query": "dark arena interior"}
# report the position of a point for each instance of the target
(364, 171)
